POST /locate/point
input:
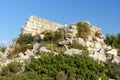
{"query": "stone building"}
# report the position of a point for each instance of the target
(36, 25)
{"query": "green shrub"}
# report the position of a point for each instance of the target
(114, 41)
(83, 29)
(23, 76)
(25, 39)
(114, 71)
(51, 40)
(11, 68)
(2, 49)
(75, 67)
(56, 67)
(54, 37)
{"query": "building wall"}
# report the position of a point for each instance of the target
(36, 25)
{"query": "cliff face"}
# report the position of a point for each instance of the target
(36, 25)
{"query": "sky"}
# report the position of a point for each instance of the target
(104, 14)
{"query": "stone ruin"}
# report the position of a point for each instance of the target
(98, 50)
(36, 25)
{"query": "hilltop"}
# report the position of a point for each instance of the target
(40, 37)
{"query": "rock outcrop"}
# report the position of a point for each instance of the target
(94, 42)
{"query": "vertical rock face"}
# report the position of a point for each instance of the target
(36, 25)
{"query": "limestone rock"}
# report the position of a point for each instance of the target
(29, 52)
(116, 59)
(108, 48)
(98, 56)
(112, 51)
(44, 49)
(97, 45)
(65, 42)
(80, 41)
(73, 51)
(36, 48)
(89, 44)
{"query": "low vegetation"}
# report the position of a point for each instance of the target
(25, 41)
(83, 29)
(51, 40)
(80, 47)
(58, 67)
(2, 49)
(114, 41)
(113, 71)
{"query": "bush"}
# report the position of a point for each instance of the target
(54, 37)
(25, 39)
(51, 40)
(56, 67)
(114, 41)
(11, 68)
(17, 49)
(2, 49)
(114, 71)
(83, 29)
(23, 76)
(64, 67)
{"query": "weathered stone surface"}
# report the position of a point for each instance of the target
(89, 44)
(80, 41)
(73, 51)
(108, 48)
(98, 56)
(97, 45)
(70, 32)
(44, 49)
(116, 59)
(36, 48)
(36, 25)
(29, 52)
(69, 41)
(112, 51)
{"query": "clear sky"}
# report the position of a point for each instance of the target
(101, 13)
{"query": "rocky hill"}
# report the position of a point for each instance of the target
(49, 37)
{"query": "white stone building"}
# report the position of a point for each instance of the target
(36, 25)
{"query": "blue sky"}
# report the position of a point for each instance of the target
(101, 13)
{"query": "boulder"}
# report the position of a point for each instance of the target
(90, 38)
(42, 36)
(44, 49)
(90, 44)
(29, 52)
(73, 51)
(98, 56)
(97, 45)
(21, 54)
(64, 48)
(69, 41)
(23, 57)
(109, 57)
(108, 48)
(80, 41)
(116, 59)
(112, 51)
(68, 36)
(36, 48)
